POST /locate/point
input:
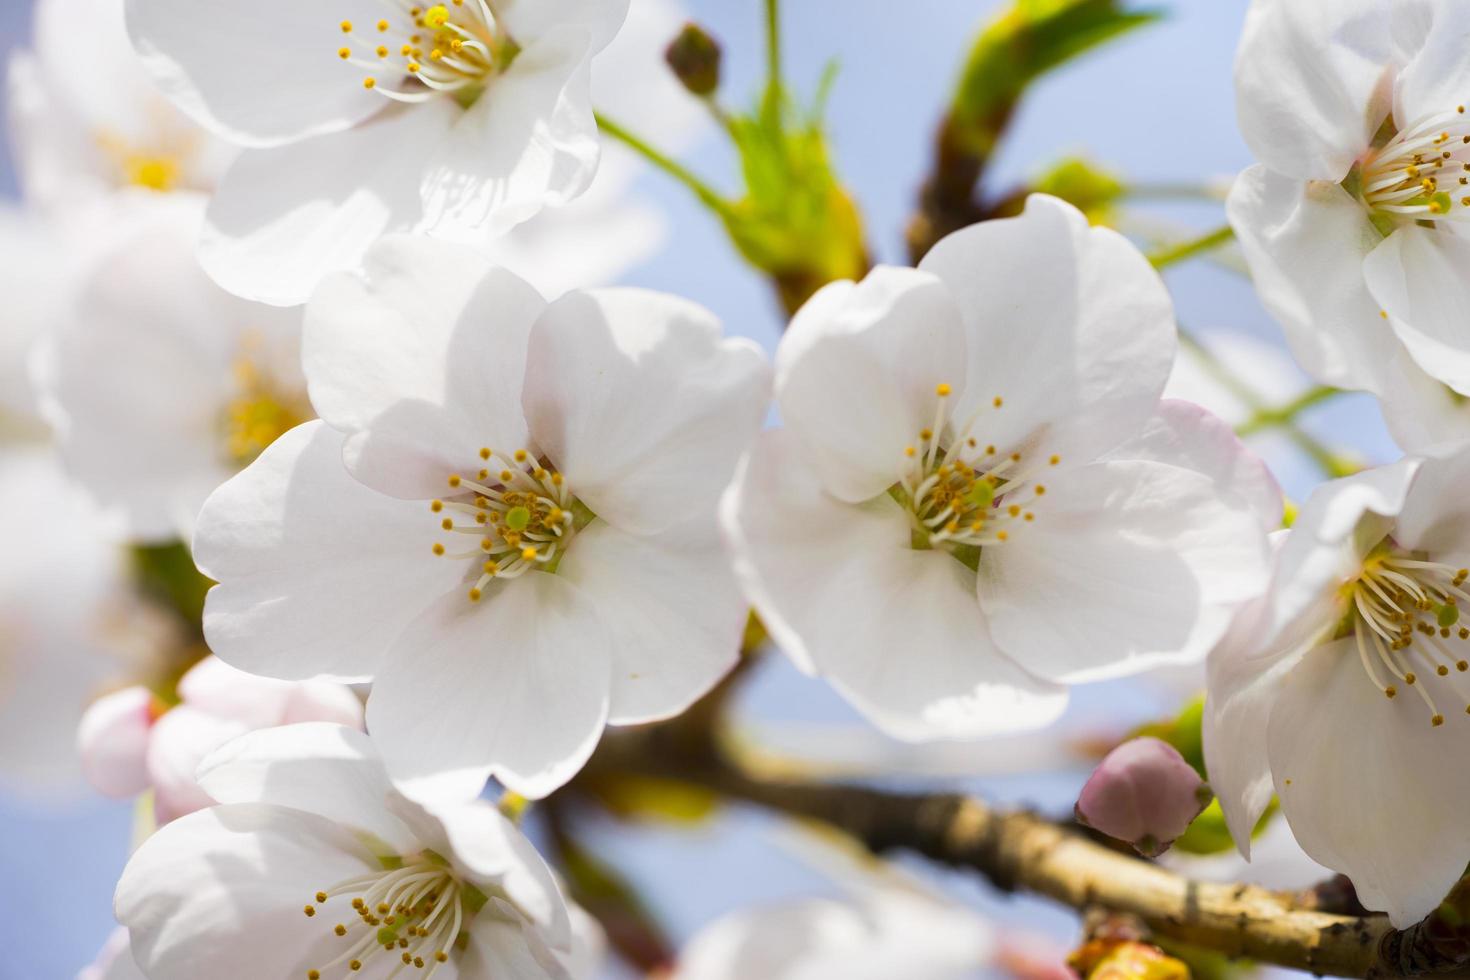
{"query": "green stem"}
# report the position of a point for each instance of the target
(1264, 417)
(1174, 254)
(668, 165)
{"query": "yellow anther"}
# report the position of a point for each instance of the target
(347, 27)
(340, 929)
(910, 451)
(1055, 460)
(382, 25)
(1391, 692)
(413, 67)
(521, 455)
(344, 53)
(382, 51)
(309, 910)
(485, 453)
(369, 83)
(942, 391)
(1001, 535)
(436, 506)
(1040, 490)
(447, 524)
(529, 554)
(1437, 720)
(999, 401)
(436, 16)
(438, 548)
(454, 480)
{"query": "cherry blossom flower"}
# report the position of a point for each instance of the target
(312, 866)
(1352, 220)
(540, 485)
(36, 280)
(459, 119)
(1343, 690)
(159, 384)
(887, 936)
(131, 743)
(87, 122)
(978, 495)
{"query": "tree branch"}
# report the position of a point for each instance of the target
(1022, 851)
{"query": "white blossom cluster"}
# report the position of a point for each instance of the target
(286, 289)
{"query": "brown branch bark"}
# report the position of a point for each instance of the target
(1022, 851)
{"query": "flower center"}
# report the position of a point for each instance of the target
(968, 495)
(1423, 172)
(262, 410)
(523, 513)
(1405, 609)
(412, 912)
(448, 48)
(158, 168)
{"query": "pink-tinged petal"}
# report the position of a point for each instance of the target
(115, 961)
(1184, 434)
(420, 359)
(318, 574)
(214, 687)
(673, 611)
(897, 631)
(328, 770)
(528, 20)
(1312, 83)
(1067, 324)
(530, 141)
(259, 74)
(1305, 243)
(181, 740)
(324, 701)
(514, 686)
(1419, 277)
(200, 894)
(1127, 565)
(639, 402)
(1144, 793)
(858, 370)
(113, 742)
(1350, 764)
(283, 218)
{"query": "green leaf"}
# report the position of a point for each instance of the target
(1024, 42)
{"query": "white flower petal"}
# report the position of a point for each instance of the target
(421, 360)
(1184, 434)
(284, 218)
(639, 402)
(857, 370)
(897, 631)
(260, 73)
(509, 947)
(673, 611)
(1436, 512)
(1068, 324)
(1364, 783)
(113, 742)
(515, 686)
(1419, 276)
(1422, 415)
(528, 20)
(329, 770)
(1310, 83)
(1305, 243)
(226, 886)
(318, 574)
(1128, 565)
(1436, 61)
(529, 141)
(115, 961)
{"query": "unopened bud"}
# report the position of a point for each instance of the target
(695, 58)
(1143, 793)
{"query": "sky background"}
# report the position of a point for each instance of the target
(1156, 107)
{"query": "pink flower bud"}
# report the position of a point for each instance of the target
(1144, 793)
